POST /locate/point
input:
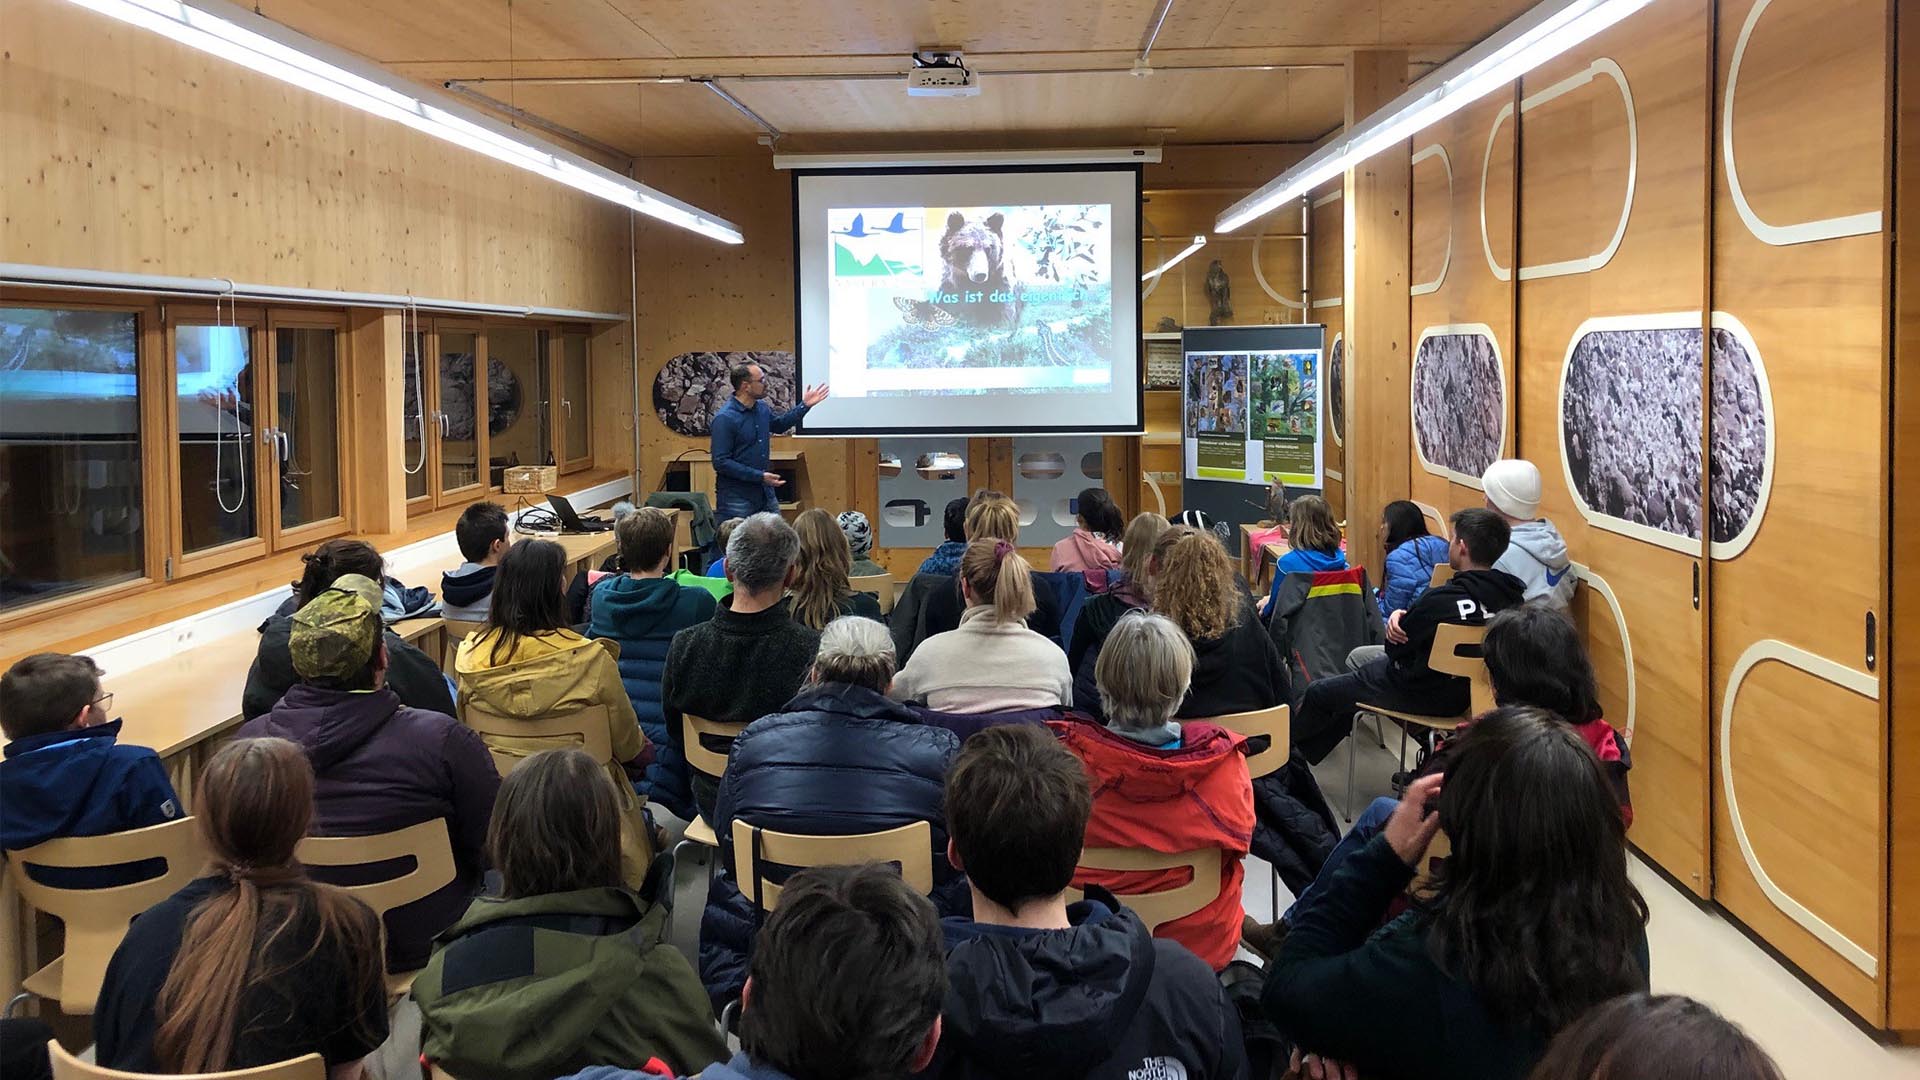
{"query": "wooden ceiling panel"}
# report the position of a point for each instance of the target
(672, 120)
(469, 30)
(1445, 21)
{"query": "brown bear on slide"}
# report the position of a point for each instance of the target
(973, 257)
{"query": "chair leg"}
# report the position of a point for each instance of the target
(1379, 733)
(1353, 750)
(19, 999)
(1274, 893)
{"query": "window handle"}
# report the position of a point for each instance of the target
(286, 446)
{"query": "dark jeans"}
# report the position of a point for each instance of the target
(737, 503)
(1325, 716)
(1367, 826)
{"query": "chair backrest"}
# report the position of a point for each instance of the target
(68, 1067)
(455, 632)
(910, 846)
(96, 919)
(1442, 573)
(1157, 909)
(1274, 723)
(427, 844)
(703, 759)
(588, 728)
(1422, 884)
(1436, 521)
(880, 585)
(1456, 651)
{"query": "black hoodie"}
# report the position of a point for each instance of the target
(1102, 1000)
(1471, 597)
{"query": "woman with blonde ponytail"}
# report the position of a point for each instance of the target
(991, 662)
(254, 963)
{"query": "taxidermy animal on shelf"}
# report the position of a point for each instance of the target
(1219, 294)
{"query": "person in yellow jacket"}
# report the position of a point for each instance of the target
(529, 664)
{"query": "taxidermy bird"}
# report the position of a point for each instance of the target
(1219, 294)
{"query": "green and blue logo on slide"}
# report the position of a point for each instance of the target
(890, 250)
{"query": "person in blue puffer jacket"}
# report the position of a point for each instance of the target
(642, 609)
(1412, 553)
(839, 758)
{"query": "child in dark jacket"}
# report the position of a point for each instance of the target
(642, 609)
(65, 775)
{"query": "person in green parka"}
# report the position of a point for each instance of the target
(568, 967)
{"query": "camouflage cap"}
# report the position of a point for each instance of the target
(334, 634)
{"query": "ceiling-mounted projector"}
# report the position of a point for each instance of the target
(941, 73)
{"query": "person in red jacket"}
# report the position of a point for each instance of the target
(1163, 785)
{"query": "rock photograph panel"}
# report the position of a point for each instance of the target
(1337, 388)
(1741, 415)
(1459, 402)
(693, 386)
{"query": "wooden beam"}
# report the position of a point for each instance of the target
(377, 356)
(1379, 364)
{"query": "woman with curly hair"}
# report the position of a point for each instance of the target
(1236, 667)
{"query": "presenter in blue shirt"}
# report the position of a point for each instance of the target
(743, 447)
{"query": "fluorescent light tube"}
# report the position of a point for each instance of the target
(1198, 243)
(1545, 31)
(262, 45)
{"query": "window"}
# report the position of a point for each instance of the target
(72, 486)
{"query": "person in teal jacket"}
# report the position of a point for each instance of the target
(642, 609)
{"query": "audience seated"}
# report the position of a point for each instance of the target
(529, 664)
(1099, 614)
(1236, 667)
(65, 773)
(718, 567)
(1649, 1037)
(946, 558)
(992, 661)
(1164, 785)
(412, 674)
(567, 967)
(1401, 680)
(1532, 920)
(467, 590)
(993, 516)
(380, 765)
(841, 757)
(1412, 553)
(846, 983)
(1535, 657)
(1040, 987)
(751, 657)
(1313, 541)
(859, 533)
(254, 963)
(820, 592)
(641, 611)
(1093, 544)
(1536, 555)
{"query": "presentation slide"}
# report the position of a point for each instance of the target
(971, 301)
(1251, 409)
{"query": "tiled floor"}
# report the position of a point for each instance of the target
(1695, 950)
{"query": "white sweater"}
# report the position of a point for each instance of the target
(986, 666)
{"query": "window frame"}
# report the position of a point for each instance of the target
(561, 401)
(185, 563)
(156, 466)
(313, 532)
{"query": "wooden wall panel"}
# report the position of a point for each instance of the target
(1574, 164)
(128, 152)
(1329, 272)
(1454, 286)
(1802, 757)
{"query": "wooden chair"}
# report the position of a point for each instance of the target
(911, 846)
(881, 585)
(1442, 573)
(708, 762)
(68, 1067)
(455, 631)
(1422, 884)
(1274, 723)
(1456, 651)
(1436, 521)
(96, 919)
(1156, 909)
(428, 845)
(589, 729)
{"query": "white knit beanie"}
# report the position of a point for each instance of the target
(1513, 487)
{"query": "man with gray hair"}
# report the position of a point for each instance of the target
(839, 758)
(751, 657)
